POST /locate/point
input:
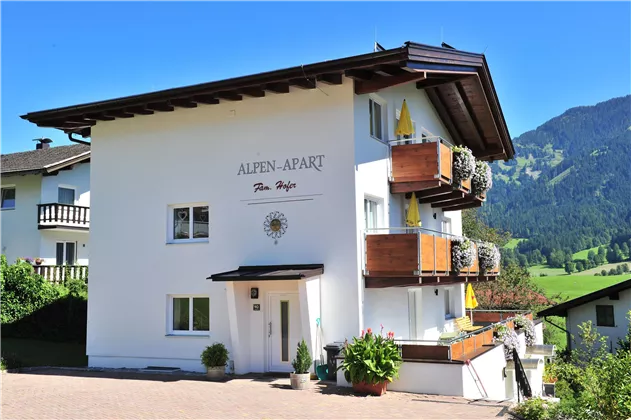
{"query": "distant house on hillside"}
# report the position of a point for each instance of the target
(46, 208)
(607, 309)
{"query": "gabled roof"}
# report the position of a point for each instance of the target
(43, 160)
(458, 84)
(561, 309)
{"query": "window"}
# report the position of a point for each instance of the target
(446, 225)
(188, 223)
(65, 195)
(66, 253)
(376, 119)
(604, 316)
(189, 315)
(370, 213)
(448, 304)
(8, 198)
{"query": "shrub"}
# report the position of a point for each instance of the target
(488, 256)
(482, 178)
(371, 358)
(461, 254)
(463, 163)
(215, 355)
(302, 362)
(529, 328)
(603, 272)
(537, 409)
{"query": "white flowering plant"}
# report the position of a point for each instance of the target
(529, 328)
(482, 178)
(488, 256)
(509, 338)
(461, 254)
(463, 165)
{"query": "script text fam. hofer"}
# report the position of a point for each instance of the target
(290, 164)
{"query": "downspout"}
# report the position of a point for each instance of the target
(72, 139)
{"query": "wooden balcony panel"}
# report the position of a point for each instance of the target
(55, 215)
(392, 255)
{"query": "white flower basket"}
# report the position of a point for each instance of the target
(488, 256)
(461, 254)
(482, 178)
(463, 165)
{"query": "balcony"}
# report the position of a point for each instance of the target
(58, 274)
(63, 216)
(424, 166)
(397, 257)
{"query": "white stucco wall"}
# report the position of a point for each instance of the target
(429, 378)
(50, 237)
(20, 236)
(490, 370)
(194, 155)
(78, 178)
(587, 312)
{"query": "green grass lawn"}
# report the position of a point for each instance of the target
(576, 285)
(582, 255)
(512, 244)
(537, 270)
(26, 352)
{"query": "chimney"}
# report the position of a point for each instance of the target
(43, 143)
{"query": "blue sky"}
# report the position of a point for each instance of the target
(544, 57)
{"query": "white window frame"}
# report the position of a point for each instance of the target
(170, 222)
(10, 186)
(378, 210)
(68, 187)
(190, 331)
(64, 259)
(446, 220)
(384, 120)
(448, 303)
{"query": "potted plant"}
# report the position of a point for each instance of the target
(488, 256)
(521, 322)
(39, 261)
(463, 164)
(301, 376)
(508, 337)
(461, 254)
(371, 362)
(482, 178)
(549, 380)
(215, 358)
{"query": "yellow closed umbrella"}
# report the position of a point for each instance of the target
(470, 302)
(413, 218)
(404, 127)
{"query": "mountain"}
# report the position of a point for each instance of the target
(570, 184)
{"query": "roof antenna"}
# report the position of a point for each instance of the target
(441, 35)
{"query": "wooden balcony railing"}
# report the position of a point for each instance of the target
(414, 256)
(55, 215)
(60, 273)
(425, 167)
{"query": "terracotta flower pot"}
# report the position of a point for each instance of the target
(377, 389)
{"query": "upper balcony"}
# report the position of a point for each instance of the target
(417, 257)
(425, 166)
(63, 216)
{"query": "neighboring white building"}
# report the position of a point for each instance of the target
(46, 208)
(288, 191)
(606, 308)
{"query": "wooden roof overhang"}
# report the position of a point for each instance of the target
(383, 282)
(457, 83)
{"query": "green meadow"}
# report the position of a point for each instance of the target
(573, 286)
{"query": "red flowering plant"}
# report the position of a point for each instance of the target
(371, 358)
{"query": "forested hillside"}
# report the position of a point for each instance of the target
(570, 186)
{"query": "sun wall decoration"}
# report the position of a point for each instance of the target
(275, 225)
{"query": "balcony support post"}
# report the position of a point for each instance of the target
(366, 272)
(419, 253)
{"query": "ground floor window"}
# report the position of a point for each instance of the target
(66, 253)
(189, 315)
(604, 316)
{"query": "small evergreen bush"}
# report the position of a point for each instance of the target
(215, 355)
(302, 362)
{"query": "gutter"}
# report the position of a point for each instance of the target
(87, 143)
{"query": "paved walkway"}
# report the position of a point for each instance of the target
(59, 394)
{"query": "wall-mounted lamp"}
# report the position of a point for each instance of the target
(436, 292)
(434, 215)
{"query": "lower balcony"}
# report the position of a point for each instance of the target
(396, 257)
(63, 216)
(58, 274)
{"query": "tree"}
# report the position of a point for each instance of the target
(625, 250)
(625, 268)
(580, 266)
(513, 289)
(570, 267)
(473, 227)
(602, 251)
(557, 258)
(591, 255)
(603, 272)
(612, 272)
(599, 260)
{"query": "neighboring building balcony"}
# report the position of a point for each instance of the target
(58, 274)
(425, 166)
(416, 257)
(63, 216)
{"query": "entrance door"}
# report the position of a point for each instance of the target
(283, 331)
